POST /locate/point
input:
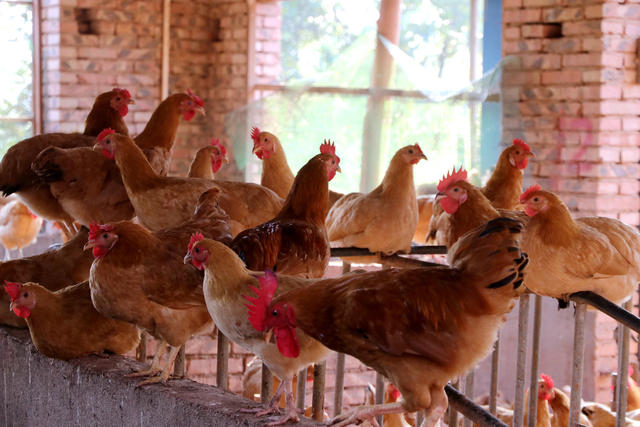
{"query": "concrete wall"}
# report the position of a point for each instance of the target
(92, 391)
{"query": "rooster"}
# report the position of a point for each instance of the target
(295, 242)
(17, 177)
(385, 219)
(138, 277)
(89, 186)
(53, 269)
(208, 160)
(276, 173)
(595, 254)
(64, 324)
(502, 190)
(163, 202)
(417, 327)
(19, 227)
(226, 280)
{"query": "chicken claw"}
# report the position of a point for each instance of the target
(292, 412)
(366, 413)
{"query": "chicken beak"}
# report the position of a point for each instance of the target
(268, 335)
(131, 101)
(530, 154)
(201, 111)
(225, 158)
(256, 148)
(338, 169)
(187, 258)
(12, 306)
(423, 156)
(90, 244)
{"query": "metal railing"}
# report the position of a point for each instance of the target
(458, 402)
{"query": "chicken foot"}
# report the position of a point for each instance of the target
(291, 415)
(439, 403)
(272, 407)
(166, 371)
(155, 368)
(366, 413)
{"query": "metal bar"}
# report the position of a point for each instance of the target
(493, 385)
(37, 69)
(403, 262)
(470, 409)
(468, 392)
(623, 371)
(340, 364)
(266, 384)
(453, 413)
(317, 400)
(361, 91)
(338, 394)
(607, 307)
(419, 418)
(535, 361)
(379, 395)
(578, 359)
(24, 2)
(222, 361)
(141, 350)
(16, 119)
(638, 346)
(301, 389)
(521, 362)
(415, 250)
(179, 364)
(614, 386)
(166, 47)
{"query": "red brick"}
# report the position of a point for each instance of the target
(559, 14)
(583, 28)
(581, 60)
(612, 27)
(562, 45)
(522, 15)
(511, 4)
(561, 77)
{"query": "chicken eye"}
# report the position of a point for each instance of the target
(108, 141)
(411, 151)
(535, 199)
(197, 250)
(333, 162)
(517, 151)
(117, 98)
(265, 139)
(105, 235)
(25, 295)
(274, 312)
(455, 190)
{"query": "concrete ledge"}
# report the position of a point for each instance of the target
(92, 391)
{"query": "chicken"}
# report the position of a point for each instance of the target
(559, 403)
(17, 177)
(417, 327)
(53, 269)
(600, 415)
(163, 202)
(385, 219)
(503, 188)
(391, 395)
(295, 242)
(276, 173)
(208, 160)
(226, 281)
(138, 277)
(425, 212)
(89, 186)
(252, 382)
(633, 392)
(19, 227)
(595, 254)
(64, 324)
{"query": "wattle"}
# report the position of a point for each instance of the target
(189, 114)
(99, 252)
(523, 163)
(123, 110)
(216, 165)
(449, 205)
(23, 312)
(287, 341)
(108, 154)
(197, 264)
(330, 175)
(530, 211)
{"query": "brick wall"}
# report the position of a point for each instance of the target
(574, 99)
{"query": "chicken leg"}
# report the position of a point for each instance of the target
(291, 414)
(367, 413)
(155, 368)
(165, 373)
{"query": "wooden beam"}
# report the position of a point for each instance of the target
(166, 47)
(37, 69)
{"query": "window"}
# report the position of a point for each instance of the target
(17, 116)
(327, 57)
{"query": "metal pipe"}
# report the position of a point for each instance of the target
(266, 385)
(453, 412)
(301, 389)
(614, 386)
(521, 361)
(468, 392)
(623, 371)
(415, 250)
(337, 397)
(222, 361)
(535, 361)
(37, 67)
(179, 364)
(493, 385)
(470, 409)
(379, 395)
(317, 400)
(607, 307)
(578, 359)
(166, 48)
(402, 262)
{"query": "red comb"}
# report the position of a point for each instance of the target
(95, 229)
(195, 237)
(521, 143)
(215, 142)
(529, 191)
(102, 135)
(255, 134)
(195, 98)
(547, 380)
(13, 289)
(452, 177)
(395, 393)
(258, 305)
(122, 92)
(328, 147)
